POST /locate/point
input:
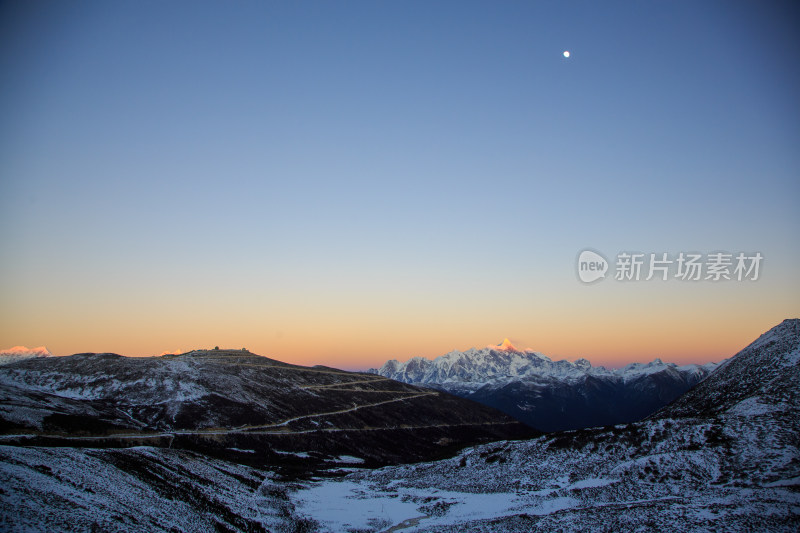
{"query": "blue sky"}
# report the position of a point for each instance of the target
(274, 168)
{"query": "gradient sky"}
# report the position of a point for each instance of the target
(344, 182)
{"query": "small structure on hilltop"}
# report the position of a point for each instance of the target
(216, 350)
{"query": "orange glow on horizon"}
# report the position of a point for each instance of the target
(610, 325)
(600, 346)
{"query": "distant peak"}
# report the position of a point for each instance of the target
(506, 345)
(41, 351)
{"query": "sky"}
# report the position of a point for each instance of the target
(342, 183)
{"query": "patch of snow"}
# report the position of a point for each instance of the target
(303, 455)
(350, 460)
(593, 482)
(752, 407)
(791, 482)
(344, 505)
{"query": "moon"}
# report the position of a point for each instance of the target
(566, 53)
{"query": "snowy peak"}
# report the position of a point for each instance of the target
(505, 346)
(41, 351)
(493, 364)
(551, 395)
(18, 353)
(502, 364)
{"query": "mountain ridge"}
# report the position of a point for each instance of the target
(775, 353)
(476, 367)
(546, 394)
(221, 401)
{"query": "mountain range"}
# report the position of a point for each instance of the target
(546, 394)
(722, 457)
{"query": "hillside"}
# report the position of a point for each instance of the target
(235, 405)
(766, 369)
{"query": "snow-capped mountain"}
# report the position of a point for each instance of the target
(546, 394)
(503, 364)
(18, 353)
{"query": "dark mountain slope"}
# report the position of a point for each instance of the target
(219, 402)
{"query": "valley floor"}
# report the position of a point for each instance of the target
(682, 475)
